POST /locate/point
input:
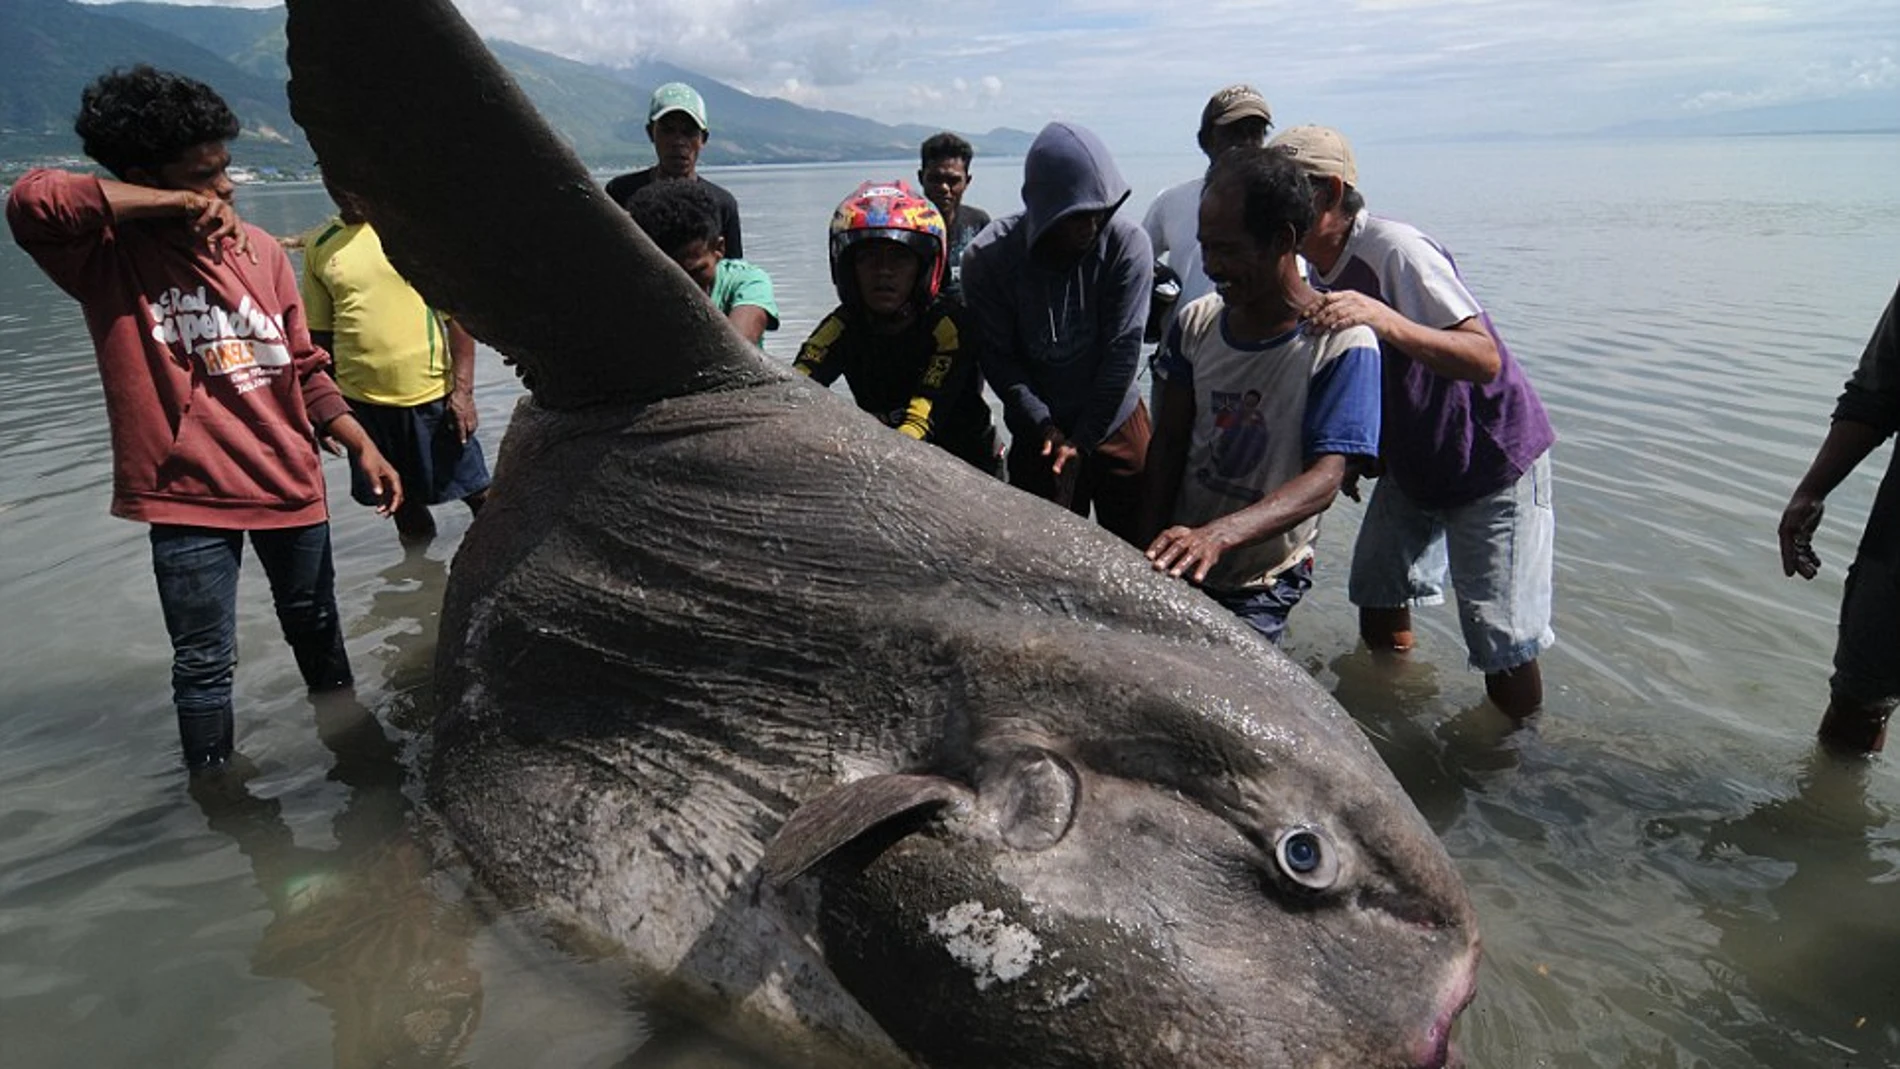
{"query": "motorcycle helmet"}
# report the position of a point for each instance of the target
(888, 211)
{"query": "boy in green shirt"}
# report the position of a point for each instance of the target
(683, 220)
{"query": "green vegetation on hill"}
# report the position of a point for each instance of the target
(49, 50)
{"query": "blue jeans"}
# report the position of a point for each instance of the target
(197, 572)
(1498, 550)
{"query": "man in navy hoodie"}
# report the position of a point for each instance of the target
(1059, 294)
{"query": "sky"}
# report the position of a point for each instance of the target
(1142, 70)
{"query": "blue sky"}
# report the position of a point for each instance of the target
(1141, 70)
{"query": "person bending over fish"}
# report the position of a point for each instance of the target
(1261, 416)
(900, 345)
(682, 218)
(1060, 295)
(1466, 442)
(214, 391)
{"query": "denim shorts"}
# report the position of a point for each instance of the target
(1496, 549)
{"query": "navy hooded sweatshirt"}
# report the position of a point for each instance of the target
(1061, 345)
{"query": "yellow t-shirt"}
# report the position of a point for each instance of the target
(390, 347)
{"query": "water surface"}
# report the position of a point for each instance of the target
(1666, 873)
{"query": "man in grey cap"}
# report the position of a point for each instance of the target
(1237, 115)
(676, 124)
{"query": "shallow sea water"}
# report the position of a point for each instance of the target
(1666, 872)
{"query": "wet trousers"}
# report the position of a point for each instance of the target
(197, 573)
(1109, 478)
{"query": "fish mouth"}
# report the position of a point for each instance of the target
(1436, 1050)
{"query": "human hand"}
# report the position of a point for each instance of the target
(1347, 308)
(1065, 464)
(1799, 521)
(1056, 445)
(1179, 548)
(462, 413)
(215, 220)
(1358, 469)
(383, 480)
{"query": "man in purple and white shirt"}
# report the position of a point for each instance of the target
(1465, 442)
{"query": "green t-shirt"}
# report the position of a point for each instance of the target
(736, 282)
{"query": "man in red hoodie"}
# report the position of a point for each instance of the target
(214, 393)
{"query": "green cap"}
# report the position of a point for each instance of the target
(677, 96)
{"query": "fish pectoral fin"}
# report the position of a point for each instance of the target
(822, 825)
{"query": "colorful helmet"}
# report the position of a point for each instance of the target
(888, 211)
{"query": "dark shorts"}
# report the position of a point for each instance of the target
(1867, 655)
(1266, 609)
(421, 443)
(1108, 479)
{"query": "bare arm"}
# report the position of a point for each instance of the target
(1464, 350)
(386, 484)
(750, 321)
(1307, 494)
(1846, 445)
(1167, 459)
(210, 218)
(462, 384)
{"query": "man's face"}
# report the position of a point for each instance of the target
(1071, 237)
(886, 274)
(700, 260)
(1244, 270)
(944, 182)
(1250, 132)
(677, 140)
(1329, 217)
(198, 169)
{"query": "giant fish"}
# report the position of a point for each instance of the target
(844, 747)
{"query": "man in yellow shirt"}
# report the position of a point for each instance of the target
(407, 370)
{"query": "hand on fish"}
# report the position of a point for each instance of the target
(1179, 548)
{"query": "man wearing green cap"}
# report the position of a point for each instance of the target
(676, 124)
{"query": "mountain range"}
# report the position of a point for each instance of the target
(50, 49)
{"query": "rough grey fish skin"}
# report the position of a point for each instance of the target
(847, 748)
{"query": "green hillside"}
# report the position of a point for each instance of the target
(49, 50)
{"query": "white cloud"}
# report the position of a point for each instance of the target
(1142, 69)
(1821, 81)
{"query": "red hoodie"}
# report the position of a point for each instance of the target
(212, 383)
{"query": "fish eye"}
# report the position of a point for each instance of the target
(1306, 858)
(1039, 800)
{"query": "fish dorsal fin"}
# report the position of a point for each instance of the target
(490, 215)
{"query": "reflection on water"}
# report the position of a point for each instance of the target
(1666, 873)
(1809, 923)
(363, 923)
